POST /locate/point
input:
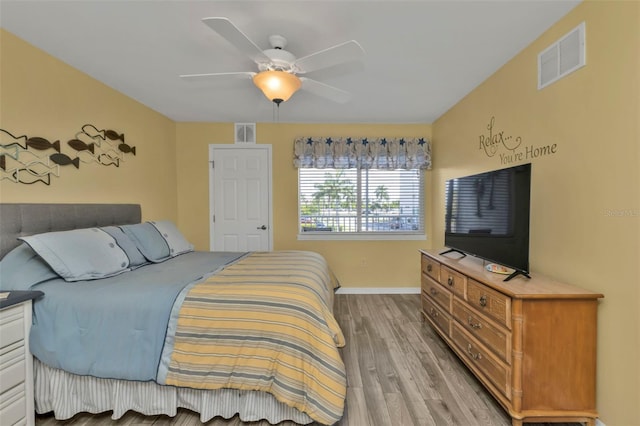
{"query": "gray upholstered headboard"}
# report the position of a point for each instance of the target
(17, 220)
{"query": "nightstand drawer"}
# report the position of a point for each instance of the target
(11, 325)
(13, 370)
(13, 406)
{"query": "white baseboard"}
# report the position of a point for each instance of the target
(378, 290)
(599, 423)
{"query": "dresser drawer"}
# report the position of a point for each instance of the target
(477, 355)
(436, 292)
(496, 338)
(489, 302)
(11, 325)
(439, 318)
(453, 280)
(431, 267)
(13, 406)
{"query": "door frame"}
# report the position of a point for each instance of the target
(212, 150)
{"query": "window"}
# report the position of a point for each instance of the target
(360, 201)
(361, 188)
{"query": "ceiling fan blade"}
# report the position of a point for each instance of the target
(241, 74)
(233, 35)
(324, 90)
(345, 52)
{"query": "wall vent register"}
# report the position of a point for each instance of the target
(245, 133)
(563, 57)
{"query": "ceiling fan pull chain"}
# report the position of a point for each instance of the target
(276, 110)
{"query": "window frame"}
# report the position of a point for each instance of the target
(420, 234)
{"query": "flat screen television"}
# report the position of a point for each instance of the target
(487, 216)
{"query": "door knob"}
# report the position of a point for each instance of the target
(263, 227)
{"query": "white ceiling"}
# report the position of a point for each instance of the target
(421, 57)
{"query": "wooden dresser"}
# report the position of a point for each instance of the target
(530, 342)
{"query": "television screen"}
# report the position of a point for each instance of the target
(487, 215)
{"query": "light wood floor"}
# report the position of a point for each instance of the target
(400, 373)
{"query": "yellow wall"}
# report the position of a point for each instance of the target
(42, 96)
(585, 217)
(345, 257)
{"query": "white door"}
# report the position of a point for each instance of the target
(240, 197)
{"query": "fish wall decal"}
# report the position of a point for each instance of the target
(108, 160)
(94, 132)
(32, 172)
(14, 141)
(65, 160)
(13, 151)
(127, 149)
(79, 145)
(22, 161)
(35, 142)
(113, 135)
(30, 177)
(42, 144)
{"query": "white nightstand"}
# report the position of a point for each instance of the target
(16, 362)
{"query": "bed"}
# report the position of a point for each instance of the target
(218, 333)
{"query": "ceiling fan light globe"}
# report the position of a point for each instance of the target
(278, 85)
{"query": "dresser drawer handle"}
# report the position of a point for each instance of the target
(483, 301)
(471, 354)
(433, 291)
(472, 325)
(433, 313)
(429, 267)
(450, 281)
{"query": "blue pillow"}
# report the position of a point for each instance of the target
(136, 259)
(22, 268)
(80, 254)
(149, 241)
(175, 240)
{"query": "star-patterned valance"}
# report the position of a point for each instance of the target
(362, 153)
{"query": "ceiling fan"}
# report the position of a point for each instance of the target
(279, 70)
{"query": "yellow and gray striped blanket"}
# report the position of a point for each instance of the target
(265, 323)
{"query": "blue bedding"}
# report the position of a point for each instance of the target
(126, 316)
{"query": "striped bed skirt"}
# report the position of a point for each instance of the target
(66, 394)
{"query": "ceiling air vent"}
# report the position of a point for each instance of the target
(562, 58)
(245, 133)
